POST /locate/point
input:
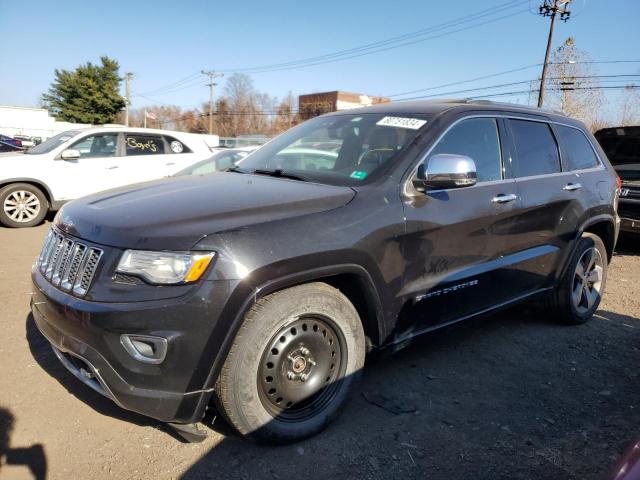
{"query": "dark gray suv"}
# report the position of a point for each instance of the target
(258, 291)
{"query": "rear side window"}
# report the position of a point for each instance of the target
(577, 153)
(143, 144)
(537, 152)
(476, 138)
(176, 146)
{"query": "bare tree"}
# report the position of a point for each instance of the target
(630, 105)
(572, 87)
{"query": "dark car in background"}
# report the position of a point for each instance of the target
(258, 291)
(10, 144)
(622, 146)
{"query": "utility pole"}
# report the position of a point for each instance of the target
(127, 95)
(211, 74)
(550, 8)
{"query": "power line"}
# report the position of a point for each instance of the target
(381, 43)
(386, 48)
(187, 82)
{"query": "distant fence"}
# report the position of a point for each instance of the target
(234, 142)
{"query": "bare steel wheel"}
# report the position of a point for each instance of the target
(587, 281)
(292, 364)
(299, 368)
(23, 205)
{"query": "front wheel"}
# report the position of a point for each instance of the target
(22, 205)
(292, 364)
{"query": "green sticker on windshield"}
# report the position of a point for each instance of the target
(358, 174)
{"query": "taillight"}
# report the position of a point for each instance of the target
(18, 143)
(618, 184)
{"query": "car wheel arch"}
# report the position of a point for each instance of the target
(360, 290)
(36, 183)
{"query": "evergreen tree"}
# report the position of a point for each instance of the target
(90, 94)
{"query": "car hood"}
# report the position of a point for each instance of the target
(629, 172)
(174, 213)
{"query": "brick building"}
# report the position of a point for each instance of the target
(314, 104)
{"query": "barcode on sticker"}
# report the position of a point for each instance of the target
(402, 122)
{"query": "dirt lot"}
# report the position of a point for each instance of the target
(507, 396)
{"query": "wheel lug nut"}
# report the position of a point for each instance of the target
(291, 375)
(304, 351)
(304, 377)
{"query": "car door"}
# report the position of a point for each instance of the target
(457, 244)
(551, 208)
(93, 171)
(146, 157)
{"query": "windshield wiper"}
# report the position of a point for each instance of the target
(278, 172)
(235, 169)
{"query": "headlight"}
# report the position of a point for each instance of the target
(165, 268)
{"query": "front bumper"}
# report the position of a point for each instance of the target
(85, 336)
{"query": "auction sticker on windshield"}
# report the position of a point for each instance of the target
(402, 122)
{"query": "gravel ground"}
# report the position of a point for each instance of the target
(511, 395)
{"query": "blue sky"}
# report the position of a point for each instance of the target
(164, 42)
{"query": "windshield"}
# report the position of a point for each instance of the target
(52, 143)
(337, 149)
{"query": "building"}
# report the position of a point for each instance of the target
(314, 104)
(34, 122)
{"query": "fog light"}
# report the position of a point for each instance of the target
(145, 348)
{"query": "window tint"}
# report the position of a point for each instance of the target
(476, 138)
(143, 144)
(577, 153)
(104, 145)
(537, 152)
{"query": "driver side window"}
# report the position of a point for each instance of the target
(93, 146)
(476, 138)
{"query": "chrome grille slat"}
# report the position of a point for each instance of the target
(73, 267)
(68, 264)
(61, 263)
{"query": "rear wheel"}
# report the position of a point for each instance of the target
(22, 205)
(580, 291)
(292, 364)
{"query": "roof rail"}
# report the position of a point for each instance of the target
(492, 102)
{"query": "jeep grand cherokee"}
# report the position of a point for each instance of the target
(259, 290)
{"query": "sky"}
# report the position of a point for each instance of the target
(167, 43)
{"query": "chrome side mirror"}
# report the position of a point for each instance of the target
(445, 170)
(70, 154)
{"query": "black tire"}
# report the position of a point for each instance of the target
(287, 322)
(37, 205)
(562, 301)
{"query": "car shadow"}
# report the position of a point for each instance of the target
(510, 395)
(43, 354)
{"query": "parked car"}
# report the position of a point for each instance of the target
(79, 162)
(10, 144)
(219, 161)
(622, 146)
(27, 141)
(258, 291)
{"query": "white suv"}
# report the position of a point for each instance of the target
(79, 162)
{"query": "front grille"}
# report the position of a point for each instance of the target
(629, 211)
(68, 264)
(631, 191)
